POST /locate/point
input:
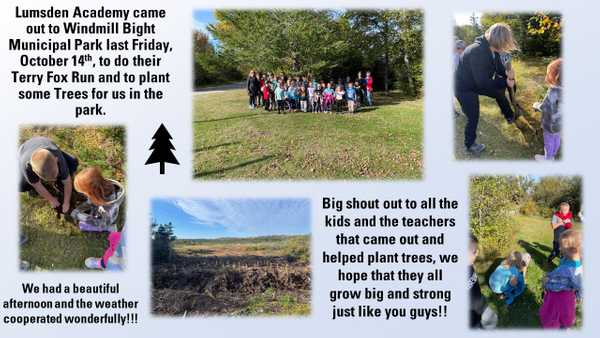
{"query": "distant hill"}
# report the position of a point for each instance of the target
(231, 240)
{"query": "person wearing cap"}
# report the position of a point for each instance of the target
(459, 48)
(41, 160)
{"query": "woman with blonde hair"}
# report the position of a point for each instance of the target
(253, 87)
(104, 198)
(480, 71)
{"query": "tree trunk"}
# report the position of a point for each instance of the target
(386, 67)
(411, 82)
(162, 168)
(386, 57)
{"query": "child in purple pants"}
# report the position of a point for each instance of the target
(551, 112)
(562, 286)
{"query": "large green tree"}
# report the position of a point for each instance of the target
(291, 41)
(469, 32)
(492, 204)
(211, 65)
(393, 38)
(538, 34)
(549, 192)
(325, 43)
(162, 237)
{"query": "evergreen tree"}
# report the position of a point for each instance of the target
(162, 237)
(161, 149)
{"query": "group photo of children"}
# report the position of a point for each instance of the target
(525, 252)
(308, 94)
(304, 94)
(508, 86)
(72, 195)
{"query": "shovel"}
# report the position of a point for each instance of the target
(520, 113)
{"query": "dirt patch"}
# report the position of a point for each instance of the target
(225, 285)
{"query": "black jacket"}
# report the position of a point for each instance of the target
(253, 85)
(477, 301)
(480, 70)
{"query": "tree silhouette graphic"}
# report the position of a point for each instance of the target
(161, 149)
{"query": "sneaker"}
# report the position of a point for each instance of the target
(476, 149)
(25, 266)
(489, 319)
(93, 263)
(540, 158)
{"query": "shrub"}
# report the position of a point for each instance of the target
(529, 208)
(298, 247)
(551, 191)
(491, 207)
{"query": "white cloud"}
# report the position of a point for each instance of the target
(249, 216)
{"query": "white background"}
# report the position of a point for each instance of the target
(442, 174)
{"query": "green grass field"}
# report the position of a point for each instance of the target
(533, 235)
(55, 244)
(504, 141)
(234, 142)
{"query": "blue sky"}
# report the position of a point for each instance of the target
(203, 18)
(215, 218)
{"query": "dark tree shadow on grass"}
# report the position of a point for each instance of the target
(382, 99)
(539, 253)
(235, 117)
(232, 167)
(522, 313)
(215, 146)
(366, 109)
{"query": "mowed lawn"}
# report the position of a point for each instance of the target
(509, 141)
(533, 235)
(54, 243)
(234, 142)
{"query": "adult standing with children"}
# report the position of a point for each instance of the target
(253, 87)
(562, 220)
(480, 71)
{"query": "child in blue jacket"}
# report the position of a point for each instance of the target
(508, 280)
